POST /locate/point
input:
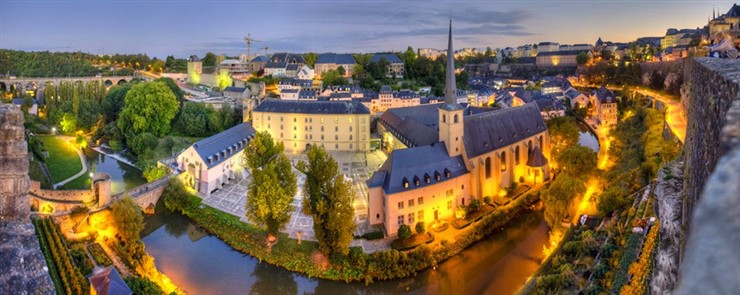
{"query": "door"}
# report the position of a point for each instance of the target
(436, 215)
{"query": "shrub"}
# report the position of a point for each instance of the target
(420, 227)
(487, 200)
(404, 232)
(376, 235)
(474, 206)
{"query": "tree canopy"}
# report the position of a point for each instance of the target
(270, 194)
(148, 108)
(559, 197)
(578, 161)
(328, 198)
(128, 218)
(563, 134)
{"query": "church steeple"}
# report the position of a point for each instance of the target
(451, 127)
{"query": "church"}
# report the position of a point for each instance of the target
(442, 156)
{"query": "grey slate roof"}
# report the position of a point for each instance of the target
(536, 158)
(385, 89)
(336, 58)
(552, 104)
(292, 67)
(221, 146)
(275, 65)
(390, 57)
(419, 167)
(312, 107)
(306, 94)
(493, 130)
(235, 89)
(109, 282)
(604, 95)
(288, 58)
(568, 52)
(260, 58)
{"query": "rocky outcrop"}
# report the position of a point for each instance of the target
(23, 269)
(14, 181)
(711, 263)
(668, 191)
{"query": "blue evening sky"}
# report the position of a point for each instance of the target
(163, 27)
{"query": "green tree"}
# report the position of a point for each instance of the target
(311, 58)
(209, 60)
(128, 218)
(409, 55)
(148, 107)
(558, 198)
(582, 58)
(341, 71)
(328, 198)
(179, 94)
(142, 286)
(113, 102)
(420, 227)
(69, 123)
(270, 194)
(404, 231)
(611, 199)
(563, 134)
(578, 161)
(152, 173)
(142, 143)
(333, 77)
(193, 119)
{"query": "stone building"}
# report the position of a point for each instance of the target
(335, 125)
(332, 61)
(445, 155)
(559, 58)
(395, 65)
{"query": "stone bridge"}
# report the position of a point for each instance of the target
(28, 83)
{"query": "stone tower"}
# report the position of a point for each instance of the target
(451, 127)
(14, 181)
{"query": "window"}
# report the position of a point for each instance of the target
(295, 128)
(322, 122)
(336, 129)
(322, 128)
(516, 155)
(503, 161)
(411, 218)
(336, 120)
(444, 118)
(281, 126)
(322, 137)
(529, 147)
(488, 167)
(268, 118)
(462, 187)
(540, 139)
(400, 205)
(350, 128)
(336, 137)
(350, 121)
(449, 205)
(411, 203)
(455, 119)
(350, 137)
(420, 215)
(336, 146)
(295, 120)
(400, 219)
(420, 200)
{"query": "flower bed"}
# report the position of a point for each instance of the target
(472, 217)
(99, 255)
(56, 252)
(412, 242)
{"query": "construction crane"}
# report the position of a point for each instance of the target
(249, 41)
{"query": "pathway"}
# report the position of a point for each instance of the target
(73, 177)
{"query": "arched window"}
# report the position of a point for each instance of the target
(503, 161)
(444, 118)
(455, 118)
(488, 167)
(516, 155)
(541, 147)
(529, 147)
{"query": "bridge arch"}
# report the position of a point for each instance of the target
(108, 83)
(122, 81)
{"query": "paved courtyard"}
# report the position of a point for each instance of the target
(357, 166)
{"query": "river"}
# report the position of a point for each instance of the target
(123, 176)
(586, 138)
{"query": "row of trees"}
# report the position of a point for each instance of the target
(327, 196)
(76, 64)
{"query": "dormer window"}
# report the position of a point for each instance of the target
(417, 181)
(447, 173)
(437, 176)
(405, 183)
(427, 178)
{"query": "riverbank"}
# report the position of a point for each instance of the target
(357, 266)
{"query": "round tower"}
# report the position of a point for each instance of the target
(101, 188)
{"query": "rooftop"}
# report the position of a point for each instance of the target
(312, 107)
(217, 148)
(336, 58)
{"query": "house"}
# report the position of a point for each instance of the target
(549, 107)
(333, 61)
(389, 99)
(576, 98)
(395, 64)
(605, 103)
(559, 58)
(305, 73)
(548, 46)
(238, 93)
(108, 281)
(579, 47)
(334, 125)
(443, 156)
(214, 161)
(289, 94)
(728, 22)
(257, 64)
(233, 66)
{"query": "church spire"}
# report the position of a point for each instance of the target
(450, 89)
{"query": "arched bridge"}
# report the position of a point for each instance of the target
(28, 83)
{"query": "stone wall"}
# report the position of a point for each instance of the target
(710, 87)
(14, 180)
(82, 195)
(711, 190)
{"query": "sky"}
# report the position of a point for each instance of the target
(181, 28)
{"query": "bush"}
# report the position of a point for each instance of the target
(487, 200)
(420, 227)
(152, 173)
(404, 232)
(376, 235)
(474, 206)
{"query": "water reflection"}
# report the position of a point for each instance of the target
(586, 138)
(203, 264)
(123, 176)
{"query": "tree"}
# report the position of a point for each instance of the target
(328, 198)
(179, 94)
(148, 107)
(152, 173)
(582, 58)
(209, 60)
(128, 219)
(311, 58)
(142, 143)
(142, 286)
(69, 123)
(409, 55)
(578, 161)
(611, 199)
(113, 102)
(333, 77)
(559, 197)
(273, 185)
(563, 134)
(193, 119)
(404, 231)
(341, 71)
(420, 228)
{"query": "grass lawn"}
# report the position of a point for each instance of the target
(82, 182)
(63, 161)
